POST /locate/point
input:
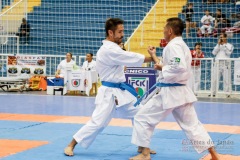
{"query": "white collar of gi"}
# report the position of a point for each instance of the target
(179, 38)
(107, 42)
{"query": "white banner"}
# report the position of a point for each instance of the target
(26, 65)
(236, 72)
(76, 80)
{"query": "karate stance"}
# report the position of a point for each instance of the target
(175, 97)
(111, 97)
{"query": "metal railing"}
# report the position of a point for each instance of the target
(208, 75)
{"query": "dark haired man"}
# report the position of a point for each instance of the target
(222, 50)
(174, 96)
(114, 95)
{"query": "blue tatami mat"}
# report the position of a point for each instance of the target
(112, 144)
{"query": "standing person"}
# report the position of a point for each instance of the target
(175, 97)
(188, 18)
(89, 64)
(60, 73)
(207, 21)
(196, 66)
(114, 95)
(222, 50)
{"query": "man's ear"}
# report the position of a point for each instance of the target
(110, 33)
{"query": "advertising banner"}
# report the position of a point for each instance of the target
(22, 65)
(236, 72)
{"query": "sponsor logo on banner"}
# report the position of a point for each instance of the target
(75, 82)
(141, 84)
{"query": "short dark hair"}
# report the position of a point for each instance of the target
(111, 24)
(24, 20)
(69, 53)
(189, 4)
(176, 24)
(90, 54)
(224, 35)
(219, 10)
(206, 10)
(198, 43)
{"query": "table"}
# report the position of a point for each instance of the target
(80, 80)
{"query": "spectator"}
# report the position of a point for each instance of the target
(207, 20)
(60, 73)
(196, 67)
(24, 32)
(89, 64)
(222, 50)
(188, 18)
(221, 21)
(218, 17)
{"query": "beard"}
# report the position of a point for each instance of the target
(118, 40)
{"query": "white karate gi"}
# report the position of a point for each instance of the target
(62, 66)
(89, 66)
(207, 20)
(111, 60)
(178, 100)
(222, 67)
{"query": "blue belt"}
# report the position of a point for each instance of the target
(157, 85)
(122, 86)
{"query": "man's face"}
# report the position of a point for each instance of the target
(68, 57)
(223, 39)
(167, 33)
(89, 57)
(218, 13)
(207, 13)
(118, 34)
(198, 48)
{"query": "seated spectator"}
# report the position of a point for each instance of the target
(221, 21)
(89, 64)
(188, 18)
(234, 29)
(196, 67)
(24, 32)
(60, 73)
(218, 17)
(207, 21)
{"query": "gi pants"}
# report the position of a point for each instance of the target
(101, 117)
(153, 113)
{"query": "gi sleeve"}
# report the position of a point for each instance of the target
(175, 64)
(228, 48)
(121, 57)
(216, 50)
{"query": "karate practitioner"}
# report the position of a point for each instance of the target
(207, 21)
(176, 99)
(222, 50)
(111, 97)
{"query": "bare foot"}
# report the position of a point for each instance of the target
(141, 148)
(145, 155)
(214, 154)
(68, 151)
(141, 157)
